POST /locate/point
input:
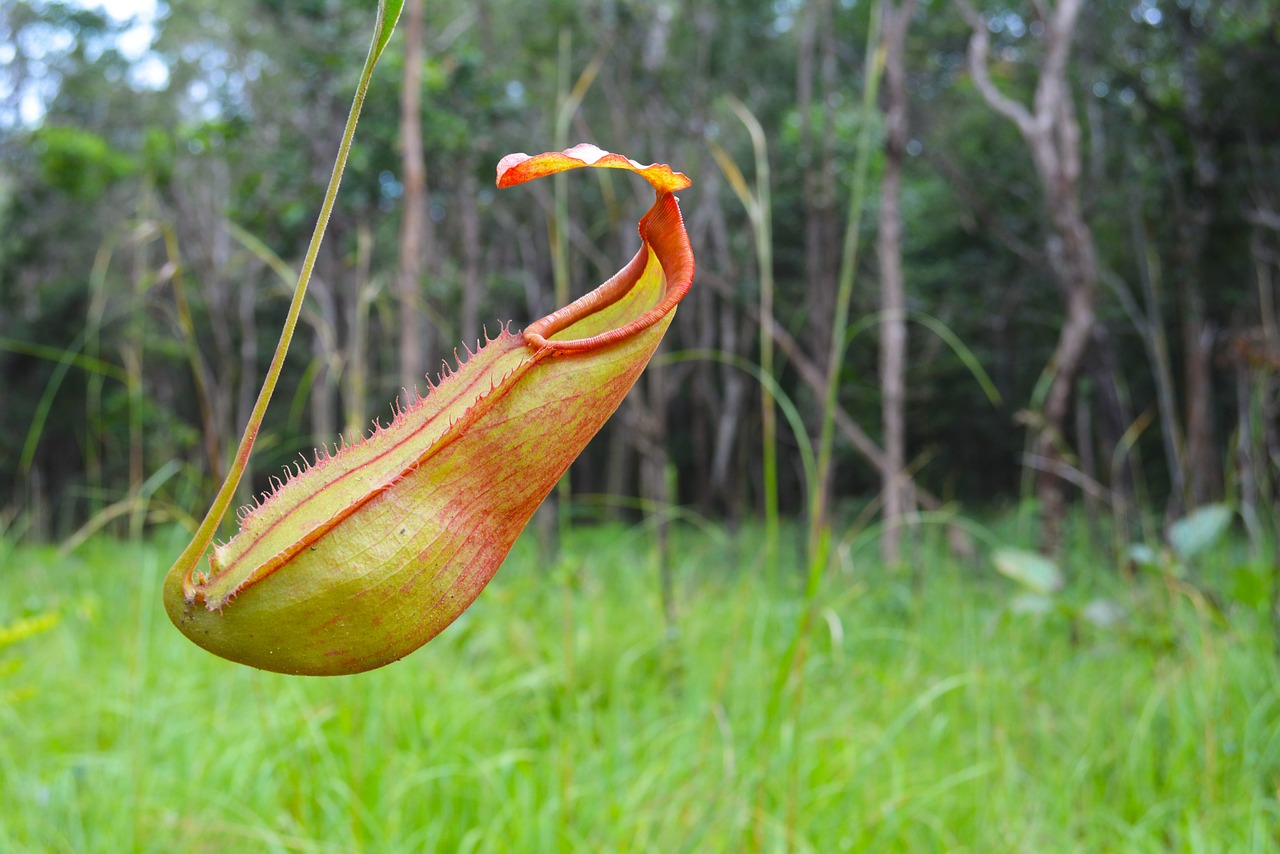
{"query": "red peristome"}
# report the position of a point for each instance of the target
(661, 229)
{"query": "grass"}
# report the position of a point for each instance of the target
(933, 719)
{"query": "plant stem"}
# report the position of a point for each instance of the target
(204, 535)
(759, 208)
(818, 498)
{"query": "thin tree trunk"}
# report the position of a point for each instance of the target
(1246, 445)
(1202, 453)
(1111, 418)
(1084, 427)
(818, 198)
(1151, 326)
(356, 376)
(729, 331)
(816, 84)
(325, 347)
(1051, 488)
(1204, 468)
(1051, 131)
(413, 346)
(893, 304)
(472, 277)
(247, 376)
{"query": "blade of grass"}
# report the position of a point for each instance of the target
(759, 208)
(940, 329)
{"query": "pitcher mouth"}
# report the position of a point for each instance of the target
(665, 244)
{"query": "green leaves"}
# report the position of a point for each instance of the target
(1188, 538)
(80, 162)
(363, 557)
(1193, 534)
(1037, 573)
(388, 15)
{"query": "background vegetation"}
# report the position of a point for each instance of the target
(154, 201)
(1064, 325)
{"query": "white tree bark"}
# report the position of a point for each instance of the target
(1051, 131)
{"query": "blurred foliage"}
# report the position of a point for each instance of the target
(15, 633)
(566, 718)
(79, 163)
(231, 117)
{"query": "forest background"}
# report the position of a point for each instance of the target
(1064, 261)
(1066, 276)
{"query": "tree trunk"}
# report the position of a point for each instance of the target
(893, 304)
(1051, 131)
(816, 88)
(1204, 468)
(1051, 488)
(820, 239)
(355, 378)
(472, 276)
(326, 348)
(413, 225)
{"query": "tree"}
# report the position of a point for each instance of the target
(414, 223)
(1051, 131)
(895, 488)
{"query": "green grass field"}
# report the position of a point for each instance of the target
(560, 715)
